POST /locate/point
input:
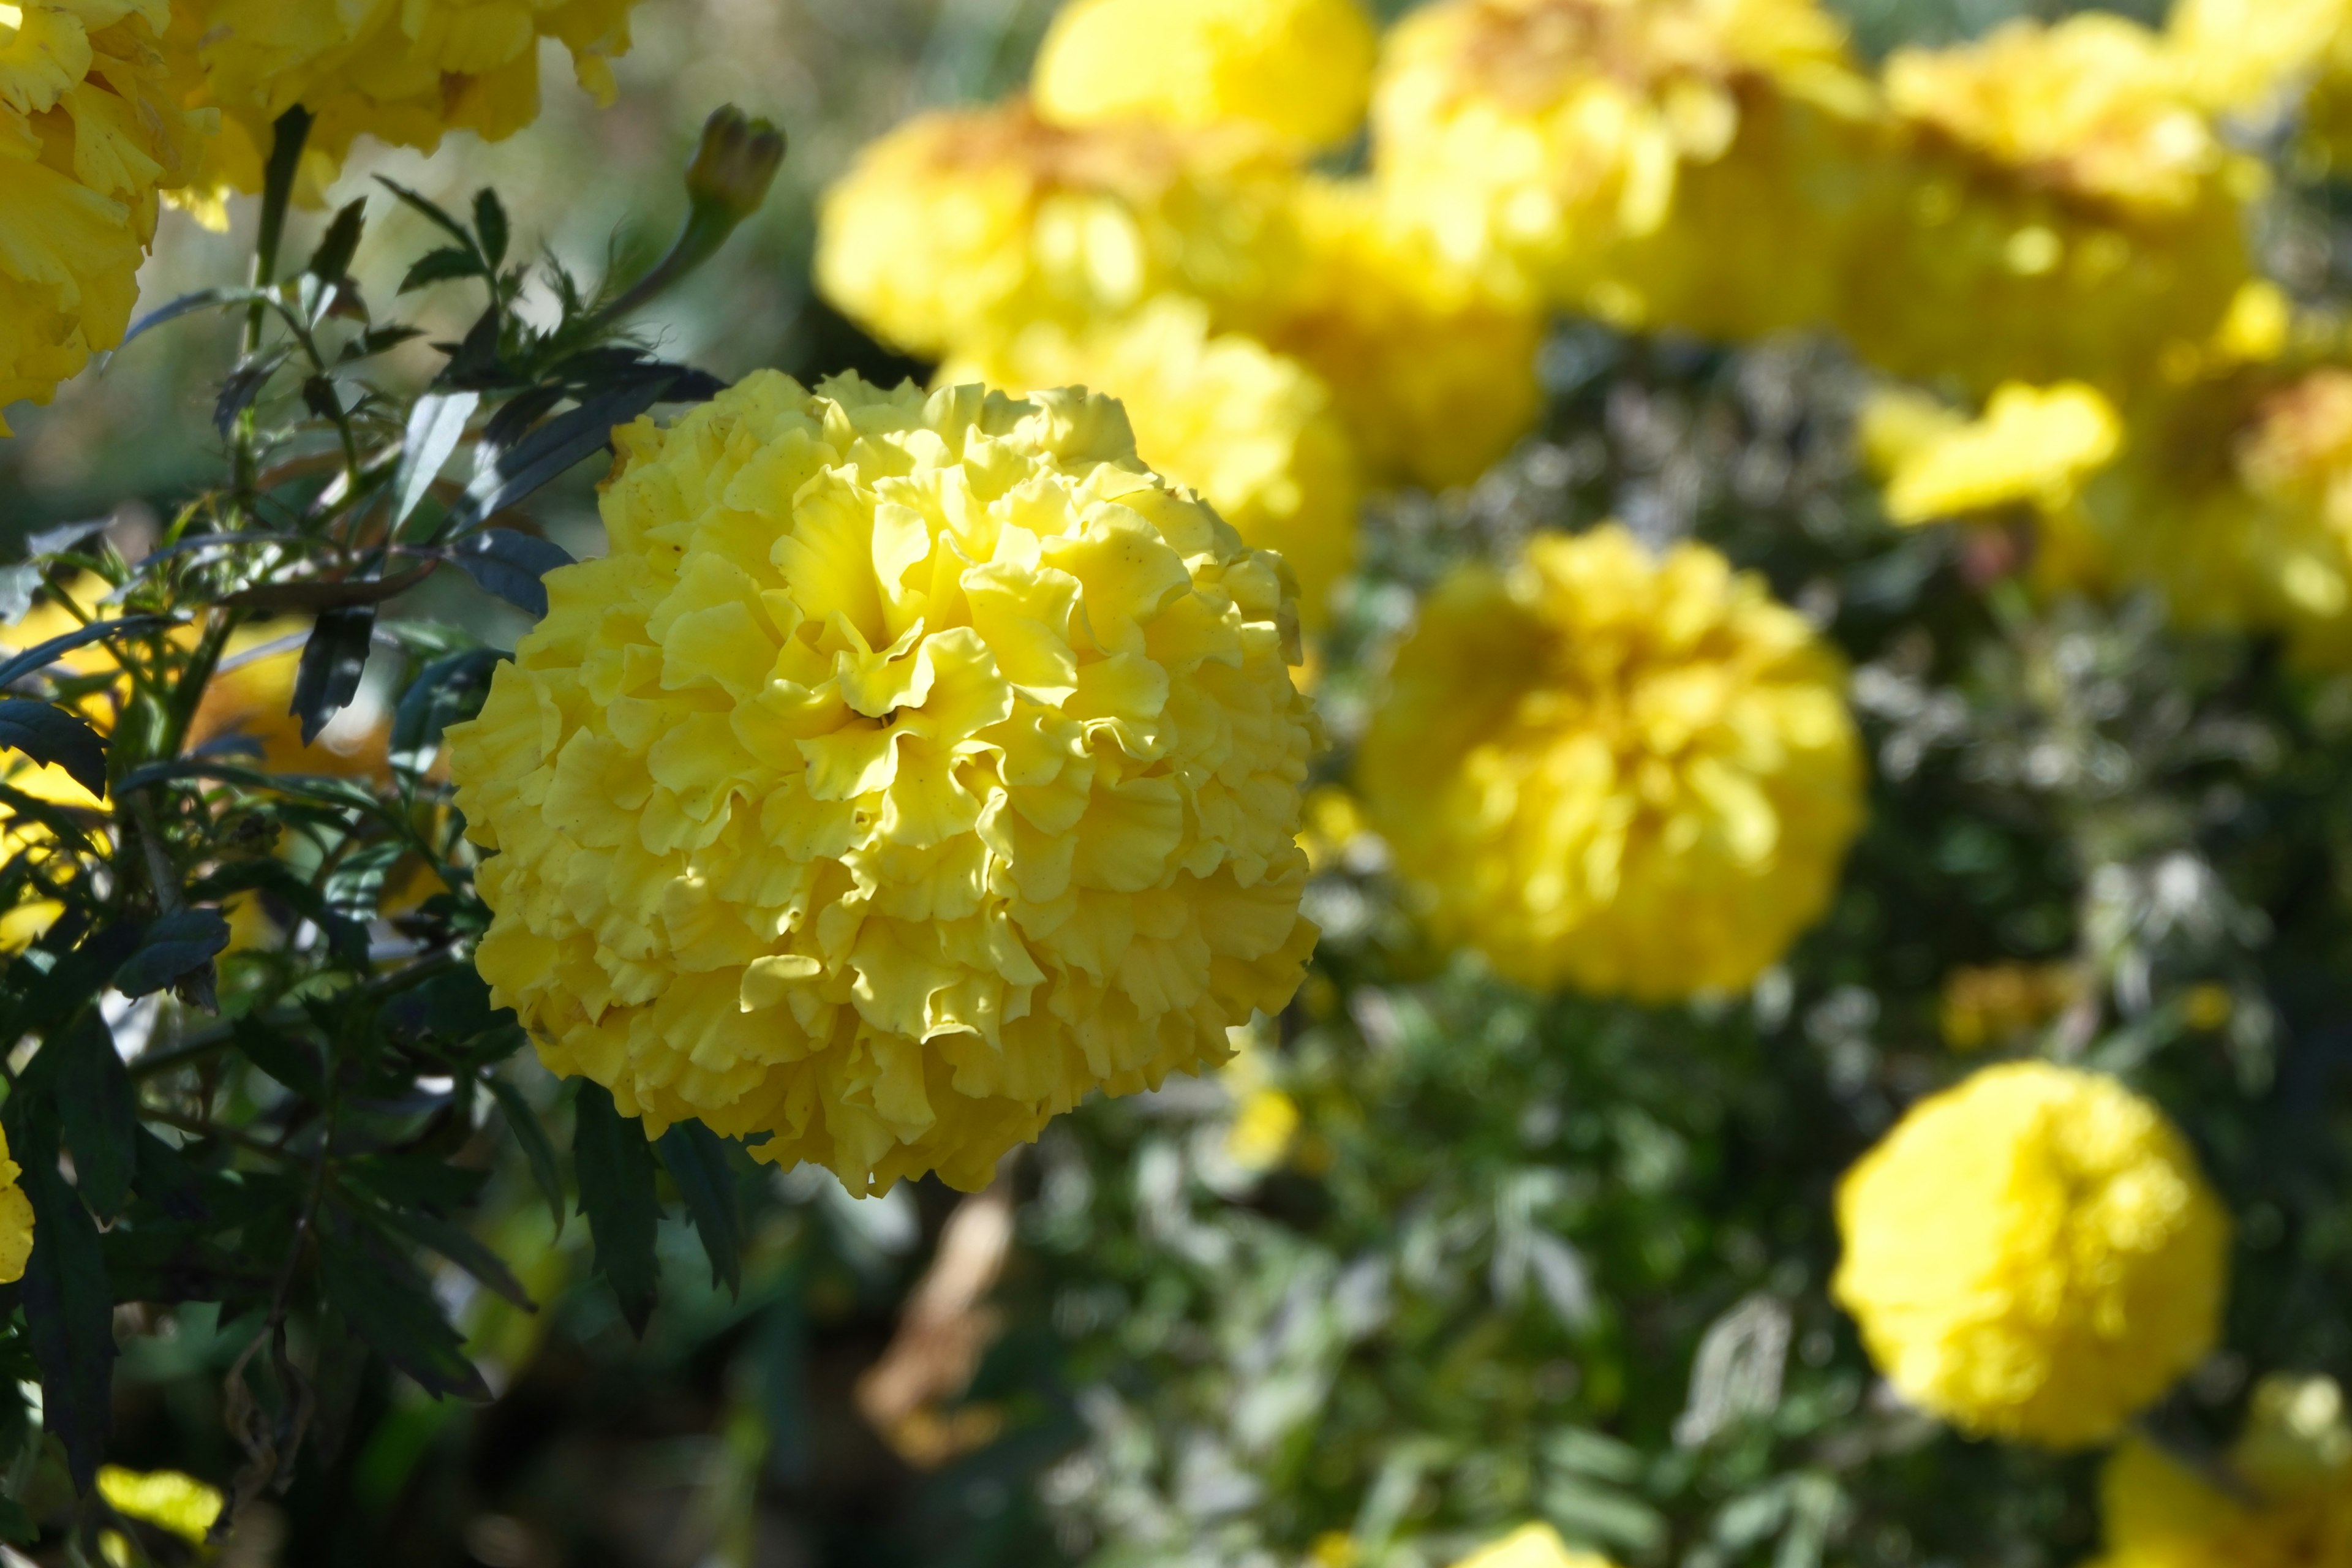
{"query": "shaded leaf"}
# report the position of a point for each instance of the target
(491, 224)
(537, 1147)
(188, 305)
(390, 1304)
(436, 699)
(436, 426)
(355, 887)
(441, 266)
(173, 946)
(164, 1178)
(50, 734)
(64, 536)
(697, 1160)
(461, 1247)
(17, 587)
(40, 656)
(431, 210)
(291, 1062)
(68, 1301)
(99, 1115)
(615, 1165)
(244, 385)
(333, 661)
(552, 450)
(511, 565)
(312, 598)
(332, 261)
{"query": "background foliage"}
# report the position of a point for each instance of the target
(1516, 1257)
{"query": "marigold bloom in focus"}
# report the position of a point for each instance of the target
(1632, 775)
(1533, 140)
(2034, 1255)
(405, 71)
(1253, 431)
(1532, 1546)
(2294, 1461)
(93, 128)
(2059, 208)
(911, 768)
(1301, 69)
(1435, 376)
(15, 1219)
(965, 226)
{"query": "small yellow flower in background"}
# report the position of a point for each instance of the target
(1333, 1549)
(1335, 823)
(1632, 775)
(1301, 69)
(2032, 446)
(92, 129)
(964, 227)
(2293, 1467)
(2208, 1007)
(2057, 207)
(911, 768)
(15, 1219)
(1263, 1132)
(1532, 1546)
(1435, 376)
(2034, 1255)
(2002, 1001)
(407, 74)
(183, 1505)
(1526, 138)
(1253, 431)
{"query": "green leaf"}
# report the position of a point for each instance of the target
(436, 427)
(39, 657)
(615, 1168)
(16, 1526)
(461, 1247)
(491, 224)
(291, 1062)
(172, 947)
(100, 1115)
(697, 1159)
(244, 385)
(355, 887)
(165, 1179)
(441, 694)
(552, 450)
(50, 734)
(511, 565)
(68, 1301)
(431, 210)
(390, 1304)
(332, 262)
(537, 1148)
(333, 661)
(441, 266)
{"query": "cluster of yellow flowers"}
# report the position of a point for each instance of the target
(1146, 223)
(1632, 775)
(2033, 1255)
(911, 768)
(108, 107)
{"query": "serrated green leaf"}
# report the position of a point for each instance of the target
(697, 1160)
(615, 1165)
(100, 1114)
(68, 1300)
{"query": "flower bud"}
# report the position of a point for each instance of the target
(735, 165)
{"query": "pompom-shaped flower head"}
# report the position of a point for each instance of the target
(1301, 69)
(92, 126)
(1533, 1546)
(911, 768)
(2062, 209)
(1253, 431)
(2292, 1503)
(1630, 774)
(2033, 1255)
(962, 228)
(1531, 138)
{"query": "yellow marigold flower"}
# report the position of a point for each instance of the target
(1532, 1546)
(1434, 375)
(2294, 1458)
(2033, 1255)
(911, 768)
(2060, 209)
(181, 1504)
(405, 71)
(1632, 775)
(2034, 445)
(2249, 56)
(92, 127)
(1529, 138)
(1300, 68)
(2003, 1001)
(965, 226)
(1252, 430)
(15, 1218)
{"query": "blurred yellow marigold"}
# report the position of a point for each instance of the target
(1630, 774)
(1532, 1546)
(2000, 1002)
(178, 1503)
(2294, 1458)
(1300, 68)
(405, 71)
(2057, 207)
(2033, 1255)
(1530, 138)
(2250, 56)
(15, 1219)
(965, 226)
(1435, 376)
(92, 127)
(912, 767)
(1252, 430)
(2032, 446)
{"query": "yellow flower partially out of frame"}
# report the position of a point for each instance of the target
(912, 767)
(2289, 1507)
(1532, 1546)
